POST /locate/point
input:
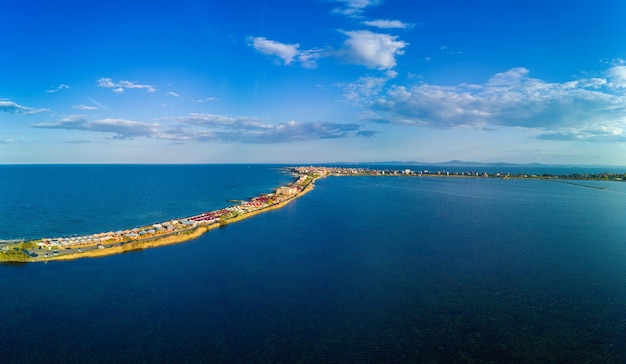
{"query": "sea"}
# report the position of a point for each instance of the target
(359, 270)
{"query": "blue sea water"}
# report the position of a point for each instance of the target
(53, 200)
(362, 269)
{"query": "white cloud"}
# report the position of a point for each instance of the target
(14, 108)
(297, 131)
(106, 82)
(308, 58)
(204, 100)
(617, 75)
(122, 129)
(122, 85)
(286, 52)
(388, 24)
(210, 127)
(367, 86)
(58, 88)
(213, 120)
(245, 129)
(585, 108)
(593, 82)
(604, 133)
(172, 94)
(85, 107)
(135, 85)
(354, 7)
(372, 50)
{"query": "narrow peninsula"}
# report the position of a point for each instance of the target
(158, 234)
(192, 227)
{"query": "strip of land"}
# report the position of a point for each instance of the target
(185, 229)
(159, 234)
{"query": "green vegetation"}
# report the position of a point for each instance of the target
(17, 252)
(27, 245)
(14, 254)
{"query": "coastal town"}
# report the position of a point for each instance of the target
(360, 171)
(160, 233)
(179, 230)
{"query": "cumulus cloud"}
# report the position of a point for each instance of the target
(131, 85)
(172, 94)
(14, 108)
(286, 52)
(583, 109)
(362, 47)
(388, 24)
(120, 128)
(372, 50)
(58, 88)
(122, 85)
(106, 82)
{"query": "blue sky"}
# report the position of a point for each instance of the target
(282, 81)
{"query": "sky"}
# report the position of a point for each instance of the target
(313, 81)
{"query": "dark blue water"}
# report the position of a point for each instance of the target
(362, 269)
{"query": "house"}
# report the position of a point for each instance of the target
(286, 191)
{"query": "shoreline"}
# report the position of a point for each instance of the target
(98, 250)
(189, 228)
